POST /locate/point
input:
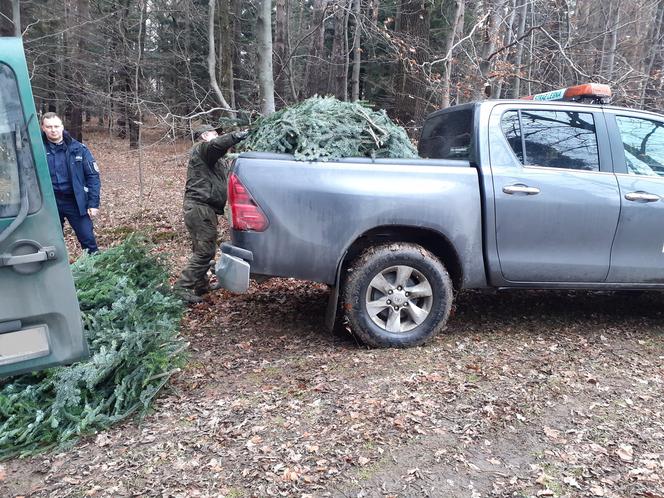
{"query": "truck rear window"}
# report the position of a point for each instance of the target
(448, 135)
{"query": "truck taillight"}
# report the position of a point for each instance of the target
(245, 213)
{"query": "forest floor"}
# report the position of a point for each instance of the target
(524, 394)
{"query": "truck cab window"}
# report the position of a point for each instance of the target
(554, 139)
(16, 164)
(512, 130)
(643, 141)
(448, 135)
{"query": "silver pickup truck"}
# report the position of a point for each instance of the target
(508, 194)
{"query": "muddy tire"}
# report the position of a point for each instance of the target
(397, 295)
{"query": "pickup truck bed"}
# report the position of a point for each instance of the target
(317, 211)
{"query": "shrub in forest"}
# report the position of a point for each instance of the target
(324, 128)
(132, 325)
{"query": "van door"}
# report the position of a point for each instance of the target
(40, 321)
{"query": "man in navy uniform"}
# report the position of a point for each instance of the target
(75, 178)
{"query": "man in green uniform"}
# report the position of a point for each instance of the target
(204, 199)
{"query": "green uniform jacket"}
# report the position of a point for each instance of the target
(206, 177)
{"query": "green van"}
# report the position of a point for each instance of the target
(40, 321)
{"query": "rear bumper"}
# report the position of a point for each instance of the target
(233, 268)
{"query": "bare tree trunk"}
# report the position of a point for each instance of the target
(212, 57)
(347, 7)
(489, 45)
(143, 5)
(73, 117)
(606, 21)
(123, 80)
(411, 101)
(357, 54)
(457, 26)
(264, 48)
(523, 14)
(236, 8)
(226, 52)
(315, 77)
(654, 44)
(336, 81)
(187, 37)
(615, 19)
(397, 15)
(300, 13)
(507, 41)
(291, 69)
(16, 17)
(374, 8)
(109, 92)
(6, 24)
(135, 82)
(281, 52)
(10, 18)
(52, 95)
(530, 52)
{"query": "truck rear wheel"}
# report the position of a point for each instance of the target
(397, 295)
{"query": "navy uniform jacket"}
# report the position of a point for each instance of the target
(83, 173)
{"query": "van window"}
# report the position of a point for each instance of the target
(16, 164)
(448, 135)
(554, 139)
(10, 195)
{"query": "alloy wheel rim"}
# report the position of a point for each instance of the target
(399, 298)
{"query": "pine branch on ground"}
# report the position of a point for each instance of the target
(132, 324)
(324, 128)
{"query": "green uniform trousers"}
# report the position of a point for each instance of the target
(201, 222)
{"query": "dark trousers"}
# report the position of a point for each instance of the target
(82, 225)
(201, 222)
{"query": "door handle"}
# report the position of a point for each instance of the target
(520, 188)
(642, 197)
(42, 254)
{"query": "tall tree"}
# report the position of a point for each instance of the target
(264, 51)
(357, 51)
(10, 18)
(413, 21)
(226, 51)
(489, 39)
(654, 60)
(212, 57)
(456, 27)
(135, 82)
(77, 14)
(508, 36)
(315, 76)
(523, 16)
(337, 83)
(280, 55)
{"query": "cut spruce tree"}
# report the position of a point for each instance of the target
(132, 324)
(324, 128)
